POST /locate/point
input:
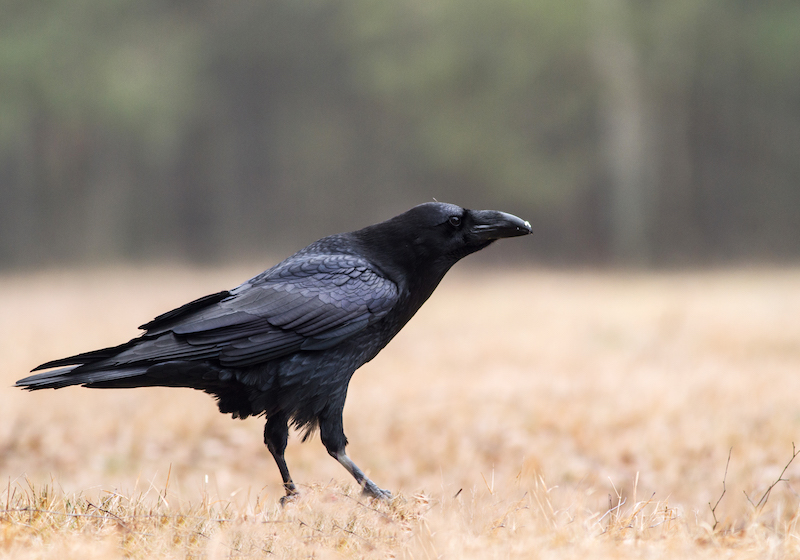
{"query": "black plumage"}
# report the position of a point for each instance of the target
(286, 342)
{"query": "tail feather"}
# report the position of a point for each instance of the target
(122, 367)
(87, 357)
(67, 376)
(232, 398)
(102, 374)
(44, 380)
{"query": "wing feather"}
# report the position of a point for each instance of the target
(307, 302)
(311, 301)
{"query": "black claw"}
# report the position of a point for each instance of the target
(288, 498)
(371, 490)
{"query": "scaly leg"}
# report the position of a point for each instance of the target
(276, 435)
(334, 440)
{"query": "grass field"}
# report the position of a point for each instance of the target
(521, 414)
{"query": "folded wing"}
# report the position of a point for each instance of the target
(309, 302)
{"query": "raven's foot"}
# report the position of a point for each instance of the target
(371, 489)
(291, 493)
(289, 498)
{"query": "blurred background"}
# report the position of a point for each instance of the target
(647, 133)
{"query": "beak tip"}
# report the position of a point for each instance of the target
(497, 225)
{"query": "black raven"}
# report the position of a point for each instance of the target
(286, 342)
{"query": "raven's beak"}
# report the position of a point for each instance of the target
(491, 225)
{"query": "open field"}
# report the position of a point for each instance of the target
(522, 414)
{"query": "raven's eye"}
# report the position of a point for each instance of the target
(455, 221)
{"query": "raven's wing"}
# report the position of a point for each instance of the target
(309, 302)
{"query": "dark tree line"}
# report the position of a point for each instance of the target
(632, 132)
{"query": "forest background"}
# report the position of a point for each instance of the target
(639, 133)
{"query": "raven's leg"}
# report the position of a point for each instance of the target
(331, 432)
(276, 434)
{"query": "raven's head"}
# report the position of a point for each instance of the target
(450, 232)
(436, 235)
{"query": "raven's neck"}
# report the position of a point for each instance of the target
(410, 265)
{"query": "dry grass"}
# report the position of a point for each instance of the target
(524, 414)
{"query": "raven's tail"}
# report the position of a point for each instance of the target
(85, 369)
(116, 368)
(77, 375)
(141, 362)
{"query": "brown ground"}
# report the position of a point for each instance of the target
(526, 414)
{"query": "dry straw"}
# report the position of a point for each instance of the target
(526, 414)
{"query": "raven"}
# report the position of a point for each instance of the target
(285, 343)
